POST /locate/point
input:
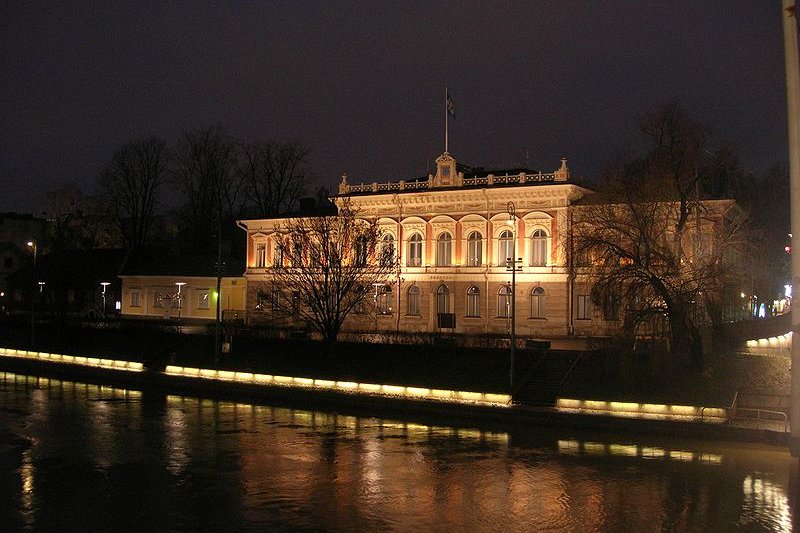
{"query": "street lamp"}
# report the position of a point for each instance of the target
(511, 264)
(32, 246)
(178, 296)
(104, 284)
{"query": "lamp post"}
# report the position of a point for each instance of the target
(511, 264)
(180, 300)
(105, 285)
(32, 245)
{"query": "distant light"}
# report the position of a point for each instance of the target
(787, 249)
(29, 243)
(743, 295)
(787, 290)
(118, 305)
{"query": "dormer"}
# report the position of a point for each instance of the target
(446, 173)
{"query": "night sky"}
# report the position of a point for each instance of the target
(362, 83)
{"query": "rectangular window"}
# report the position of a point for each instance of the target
(584, 307)
(158, 299)
(261, 255)
(136, 299)
(202, 299)
(474, 251)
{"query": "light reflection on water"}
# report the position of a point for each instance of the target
(83, 457)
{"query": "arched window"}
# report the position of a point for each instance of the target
(539, 248)
(504, 302)
(415, 251)
(505, 248)
(383, 299)
(474, 249)
(387, 250)
(444, 250)
(361, 251)
(412, 302)
(473, 301)
(442, 299)
(538, 303)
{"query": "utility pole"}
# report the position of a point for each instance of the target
(218, 321)
(793, 116)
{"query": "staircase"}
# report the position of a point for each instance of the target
(540, 381)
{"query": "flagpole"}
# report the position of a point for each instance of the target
(445, 118)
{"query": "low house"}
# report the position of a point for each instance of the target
(163, 286)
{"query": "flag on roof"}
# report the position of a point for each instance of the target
(450, 108)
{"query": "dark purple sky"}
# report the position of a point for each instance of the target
(362, 83)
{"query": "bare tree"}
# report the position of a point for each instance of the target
(206, 174)
(327, 266)
(129, 186)
(273, 174)
(648, 240)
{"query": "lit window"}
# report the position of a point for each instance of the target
(539, 248)
(383, 299)
(158, 299)
(505, 249)
(361, 251)
(442, 299)
(474, 249)
(473, 301)
(387, 250)
(444, 250)
(412, 303)
(504, 302)
(136, 299)
(202, 299)
(538, 303)
(261, 255)
(415, 250)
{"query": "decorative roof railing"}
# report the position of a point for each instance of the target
(479, 181)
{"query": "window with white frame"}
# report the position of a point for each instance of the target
(505, 248)
(297, 255)
(362, 251)
(387, 250)
(474, 249)
(443, 299)
(584, 311)
(539, 248)
(261, 255)
(473, 301)
(538, 303)
(383, 299)
(415, 250)
(412, 302)
(504, 302)
(202, 297)
(278, 256)
(136, 298)
(444, 249)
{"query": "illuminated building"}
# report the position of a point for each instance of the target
(453, 232)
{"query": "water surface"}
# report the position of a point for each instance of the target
(78, 457)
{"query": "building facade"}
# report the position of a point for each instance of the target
(454, 233)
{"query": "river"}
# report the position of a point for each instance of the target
(80, 457)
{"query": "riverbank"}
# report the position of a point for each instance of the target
(371, 401)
